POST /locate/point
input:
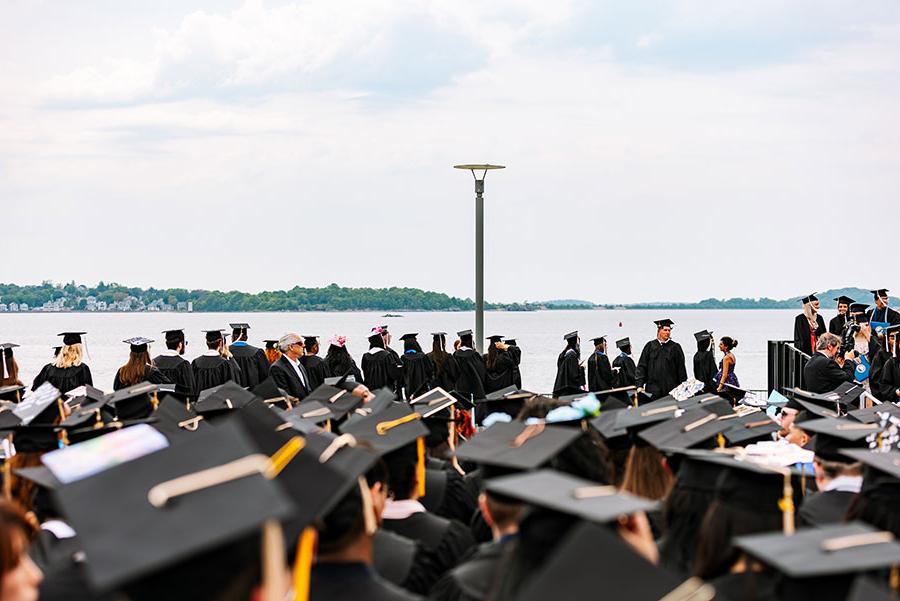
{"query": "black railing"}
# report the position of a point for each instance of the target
(786, 365)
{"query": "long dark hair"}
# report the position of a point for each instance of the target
(411, 344)
(13, 523)
(438, 354)
(134, 372)
(376, 341)
(338, 360)
(10, 370)
(493, 355)
(715, 552)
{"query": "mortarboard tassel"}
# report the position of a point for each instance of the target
(420, 466)
(368, 508)
(895, 579)
(786, 504)
(303, 564)
(273, 569)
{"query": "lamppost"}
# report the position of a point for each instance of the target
(479, 247)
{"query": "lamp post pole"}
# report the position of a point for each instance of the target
(479, 247)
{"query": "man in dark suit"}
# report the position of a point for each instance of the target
(288, 373)
(827, 369)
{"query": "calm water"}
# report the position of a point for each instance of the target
(538, 333)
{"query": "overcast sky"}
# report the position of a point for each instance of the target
(655, 149)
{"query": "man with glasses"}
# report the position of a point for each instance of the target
(288, 373)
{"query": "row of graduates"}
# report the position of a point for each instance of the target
(570, 498)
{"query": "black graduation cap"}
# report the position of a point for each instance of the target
(384, 398)
(753, 486)
(13, 392)
(312, 411)
(703, 335)
(517, 446)
(571, 335)
(623, 343)
(749, 427)
(858, 308)
(71, 337)
(35, 438)
(573, 572)
(695, 427)
(164, 506)
(882, 474)
(176, 421)
(5, 351)
(340, 401)
(439, 334)
(880, 292)
(138, 344)
(388, 430)
(39, 406)
(464, 333)
(269, 392)
(870, 414)
(510, 342)
(173, 335)
(843, 395)
(693, 473)
(5, 346)
(664, 323)
(495, 338)
(570, 495)
(598, 339)
(40, 475)
(824, 551)
(84, 395)
(637, 418)
(844, 300)
(213, 335)
(134, 401)
(605, 424)
(808, 299)
(433, 401)
(810, 411)
(83, 433)
(411, 336)
(225, 397)
(310, 341)
(510, 391)
(833, 434)
(241, 327)
(93, 412)
(270, 343)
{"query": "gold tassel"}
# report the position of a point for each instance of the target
(720, 439)
(787, 505)
(303, 564)
(895, 579)
(420, 466)
(155, 400)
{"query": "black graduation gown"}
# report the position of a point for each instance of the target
(338, 369)
(801, 333)
(501, 375)
(381, 370)
(746, 586)
(352, 581)
(178, 370)
(404, 562)
(472, 373)
(821, 508)
(253, 363)
(151, 374)
(64, 378)
(472, 579)
(569, 374)
(447, 375)
(888, 382)
(211, 371)
(418, 373)
(890, 316)
(599, 373)
(705, 370)
(836, 325)
(515, 353)
(398, 384)
(626, 371)
(448, 540)
(448, 495)
(316, 369)
(660, 368)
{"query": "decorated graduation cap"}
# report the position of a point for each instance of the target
(844, 300)
(561, 492)
(571, 335)
(138, 344)
(808, 299)
(631, 576)
(41, 406)
(703, 335)
(70, 338)
(813, 560)
(213, 335)
(832, 435)
(516, 446)
(179, 502)
(664, 323)
(223, 398)
(434, 401)
(623, 343)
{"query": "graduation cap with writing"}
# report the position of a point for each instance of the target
(517, 446)
(573, 572)
(703, 335)
(41, 406)
(694, 428)
(844, 300)
(832, 435)
(134, 402)
(388, 430)
(213, 335)
(808, 299)
(623, 343)
(172, 505)
(664, 323)
(70, 338)
(223, 398)
(176, 421)
(138, 344)
(819, 563)
(567, 494)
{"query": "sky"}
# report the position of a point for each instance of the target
(655, 149)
